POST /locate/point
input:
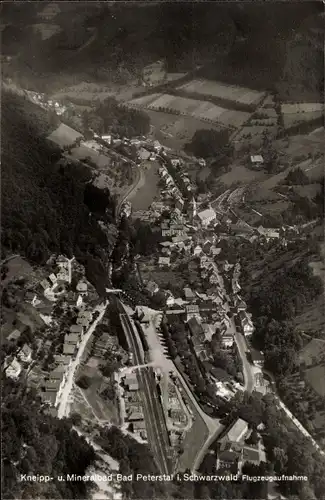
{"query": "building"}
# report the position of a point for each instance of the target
(49, 397)
(25, 354)
(164, 261)
(14, 336)
(45, 284)
(257, 161)
(246, 323)
(189, 294)
(81, 288)
(207, 216)
(237, 431)
(229, 456)
(143, 154)
(170, 299)
(131, 382)
(76, 329)
(257, 357)
(196, 328)
(71, 338)
(227, 340)
(152, 287)
(197, 250)
(68, 349)
(192, 311)
(13, 369)
(191, 209)
(251, 455)
(62, 360)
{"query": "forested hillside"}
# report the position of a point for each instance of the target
(44, 209)
(34, 442)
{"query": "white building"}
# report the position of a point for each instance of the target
(207, 216)
(257, 160)
(25, 353)
(13, 370)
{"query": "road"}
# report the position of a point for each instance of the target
(154, 418)
(247, 367)
(64, 400)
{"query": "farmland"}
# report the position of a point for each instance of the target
(201, 110)
(234, 93)
(64, 135)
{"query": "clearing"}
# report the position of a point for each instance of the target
(64, 136)
(223, 91)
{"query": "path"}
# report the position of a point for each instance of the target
(64, 407)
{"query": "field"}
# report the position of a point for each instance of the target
(175, 131)
(223, 91)
(242, 174)
(292, 119)
(89, 92)
(64, 135)
(302, 108)
(201, 110)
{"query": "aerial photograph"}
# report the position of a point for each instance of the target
(162, 250)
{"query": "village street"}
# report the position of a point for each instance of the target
(64, 398)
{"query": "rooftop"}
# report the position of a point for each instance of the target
(237, 430)
(207, 214)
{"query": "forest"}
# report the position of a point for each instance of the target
(110, 117)
(47, 206)
(35, 442)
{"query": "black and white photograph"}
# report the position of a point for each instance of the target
(162, 250)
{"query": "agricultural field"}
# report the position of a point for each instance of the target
(175, 131)
(307, 107)
(64, 135)
(292, 119)
(201, 110)
(87, 93)
(234, 93)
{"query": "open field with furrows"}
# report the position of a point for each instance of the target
(223, 91)
(291, 119)
(64, 135)
(201, 110)
(308, 107)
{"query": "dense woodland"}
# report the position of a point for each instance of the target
(108, 116)
(113, 42)
(34, 442)
(47, 206)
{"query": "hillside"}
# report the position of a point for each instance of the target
(35, 442)
(113, 43)
(44, 203)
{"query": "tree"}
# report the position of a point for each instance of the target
(297, 176)
(208, 143)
